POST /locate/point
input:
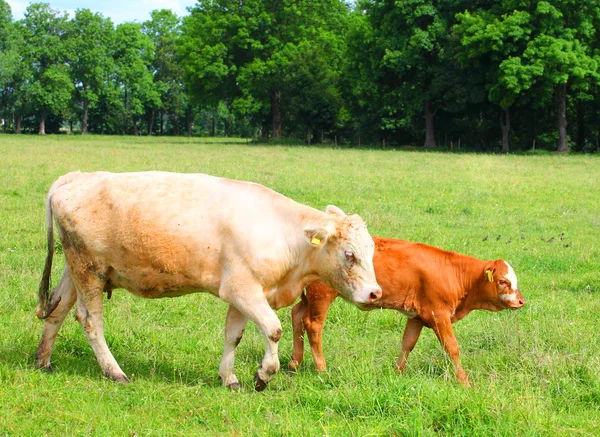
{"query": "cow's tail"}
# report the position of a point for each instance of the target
(46, 304)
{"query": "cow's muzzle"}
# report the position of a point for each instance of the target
(374, 295)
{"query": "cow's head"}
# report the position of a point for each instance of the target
(505, 289)
(344, 259)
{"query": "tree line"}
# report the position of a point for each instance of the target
(481, 74)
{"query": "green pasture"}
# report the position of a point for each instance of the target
(535, 372)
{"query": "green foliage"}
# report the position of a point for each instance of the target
(416, 72)
(90, 42)
(134, 52)
(49, 86)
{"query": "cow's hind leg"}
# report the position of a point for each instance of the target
(234, 329)
(89, 315)
(63, 298)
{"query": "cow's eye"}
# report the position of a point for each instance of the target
(502, 282)
(349, 256)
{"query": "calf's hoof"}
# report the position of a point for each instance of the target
(259, 384)
(44, 368)
(293, 365)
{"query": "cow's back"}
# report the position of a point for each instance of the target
(163, 234)
(411, 274)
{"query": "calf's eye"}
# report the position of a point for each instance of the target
(349, 255)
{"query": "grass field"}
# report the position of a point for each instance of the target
(535, 372)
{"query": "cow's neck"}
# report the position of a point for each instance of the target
(299, 267)
(469, 272)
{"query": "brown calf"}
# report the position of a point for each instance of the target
(432, 287)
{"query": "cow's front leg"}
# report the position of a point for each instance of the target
(234, 329)
(412, 331)
(253, 304)
(442, 327)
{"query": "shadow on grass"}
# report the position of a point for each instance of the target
(76, 358)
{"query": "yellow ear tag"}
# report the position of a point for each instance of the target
(315, 241)
(333, 214)
(490, 275)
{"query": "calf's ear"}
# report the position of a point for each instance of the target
(317, 235)
(489, 272)
(334, 210)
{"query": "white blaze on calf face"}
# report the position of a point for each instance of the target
(511, 276)
(508, 297)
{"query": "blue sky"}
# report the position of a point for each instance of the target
(118, 10)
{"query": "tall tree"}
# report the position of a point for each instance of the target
(412, 36)
(50, 88)
(90, 41)
(241, 52)
(494, 41)
(133, 56)
(164, 29)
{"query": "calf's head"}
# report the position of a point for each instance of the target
(503, 290)
(344, 258)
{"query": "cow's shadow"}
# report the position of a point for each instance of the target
(74, 357)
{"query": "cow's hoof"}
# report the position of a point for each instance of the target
(259, 384)
(293, 365)
(234, 386)
(120, 378)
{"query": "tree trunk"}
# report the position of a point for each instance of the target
(176, 125)
(84, 118)
(580, 144)
(151, 122)
(162, 122)
(429, 130)
(563, 146)
(276, 113)
(125, 113)
(135, 128)
(18, 124)
(505, 124)
(42, 130)
(189, 122)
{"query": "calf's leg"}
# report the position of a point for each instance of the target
(314, 322)
(298, 313)
(234, 329)
(412, 331)
(65, 295)
(442, 327)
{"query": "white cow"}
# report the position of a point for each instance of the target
(161, 234)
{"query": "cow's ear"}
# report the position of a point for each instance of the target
(490, 273)
(317, 235)
(334, 210)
